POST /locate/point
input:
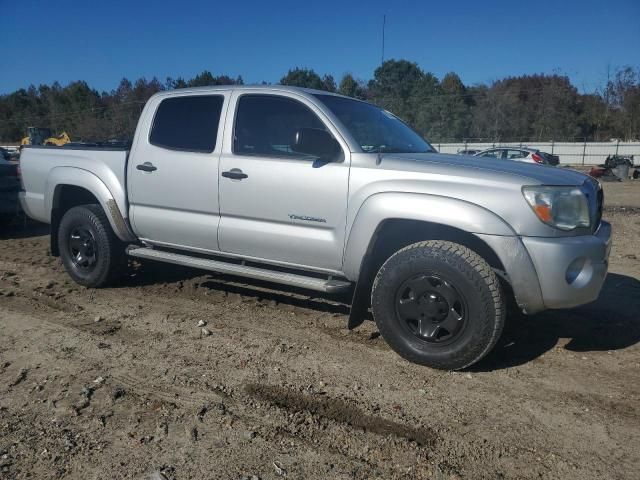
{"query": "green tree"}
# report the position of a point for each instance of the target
(525, 108)
(593, 120)
(304, 77)
(328, 83)
(350, 87)
(623, 96)
(453, 110)
(394, 84)
(204, 79)
(425, 102)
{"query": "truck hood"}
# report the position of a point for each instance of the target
(468, 166)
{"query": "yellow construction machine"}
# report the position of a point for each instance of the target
(43, 136)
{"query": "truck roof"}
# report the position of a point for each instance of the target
(268, 88)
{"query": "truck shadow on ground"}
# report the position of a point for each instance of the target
(149, 273)
(610, 323)
(22, 227)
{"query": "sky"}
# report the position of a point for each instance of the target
(102, 42)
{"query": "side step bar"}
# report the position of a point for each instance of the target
(295, 280)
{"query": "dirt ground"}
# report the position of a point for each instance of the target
(123, 383)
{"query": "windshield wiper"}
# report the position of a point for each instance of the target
(384, 149)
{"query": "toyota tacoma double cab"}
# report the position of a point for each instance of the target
(323, 192)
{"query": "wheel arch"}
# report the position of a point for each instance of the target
(417, 214)
(392, 234)
(68, 187)
(388, 222)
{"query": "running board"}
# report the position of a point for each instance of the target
(292, 279)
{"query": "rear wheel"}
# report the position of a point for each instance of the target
(91, 253)
(438, 304)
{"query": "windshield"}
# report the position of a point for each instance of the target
(375, 129)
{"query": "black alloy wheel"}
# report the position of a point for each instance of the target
(82, 246)
(431, 308)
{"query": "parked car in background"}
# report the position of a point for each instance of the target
(521, 154)
(9, 188)
(5, 154)
(469, 151)
(8, 154)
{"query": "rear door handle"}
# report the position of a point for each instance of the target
(235, 173)
(147, 167)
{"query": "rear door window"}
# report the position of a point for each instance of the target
(187, 123)
(492, 154)
(517, 154)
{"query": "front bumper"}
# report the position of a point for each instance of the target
(570, 270)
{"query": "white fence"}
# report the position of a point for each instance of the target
(570, 153)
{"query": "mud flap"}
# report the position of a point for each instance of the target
(359, 305)
(53, 236)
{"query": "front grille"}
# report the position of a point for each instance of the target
(595, 198)
(599, 207)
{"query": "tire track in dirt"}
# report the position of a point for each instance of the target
(142, 385)
(339, 411)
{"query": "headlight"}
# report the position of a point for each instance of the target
(565, 208)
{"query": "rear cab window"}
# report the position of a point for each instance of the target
(187, 123)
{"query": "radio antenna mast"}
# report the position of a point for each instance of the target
(384, 21)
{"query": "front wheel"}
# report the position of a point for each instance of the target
(91, 253)
(438, 304)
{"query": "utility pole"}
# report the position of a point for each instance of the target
(384, 21)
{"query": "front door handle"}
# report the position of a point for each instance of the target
(147, 167)
(235, 173)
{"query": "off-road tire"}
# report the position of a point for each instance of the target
(471, 277)
(110, 257)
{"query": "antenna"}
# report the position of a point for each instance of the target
(384, 21)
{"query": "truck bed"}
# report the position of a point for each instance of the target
(40, 164)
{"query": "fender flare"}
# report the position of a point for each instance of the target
(79, 177)
(384, 206)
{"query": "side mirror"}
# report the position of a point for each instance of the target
(316, 142)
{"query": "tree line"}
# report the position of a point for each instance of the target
(524, 108)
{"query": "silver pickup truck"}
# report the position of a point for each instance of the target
(323, 192)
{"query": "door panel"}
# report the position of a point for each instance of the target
(289, 208)
(177, 203)
(173, 192)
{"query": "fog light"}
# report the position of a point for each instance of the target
(574, 269)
